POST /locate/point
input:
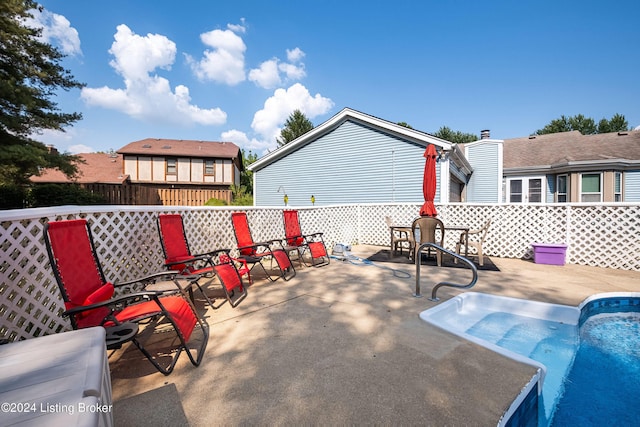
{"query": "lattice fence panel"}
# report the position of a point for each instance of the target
(605, 236)
(128, 244)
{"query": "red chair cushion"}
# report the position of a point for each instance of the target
(101, 294)
(229, 277)
(282, 259)
(318, 249)
(242, 232)
(178, 308)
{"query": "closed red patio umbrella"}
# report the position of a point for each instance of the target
(429, 182)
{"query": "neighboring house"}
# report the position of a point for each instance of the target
(356, 158)
(158, 171)
(555, 168)
(95, 168)
(182, 163)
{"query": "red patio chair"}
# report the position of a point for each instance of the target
(209, 266)
(301, 243)
(89, 299)
(254, 253)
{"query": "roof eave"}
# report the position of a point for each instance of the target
(574, 166)
(345, 114)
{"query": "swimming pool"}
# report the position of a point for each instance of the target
(546, 336)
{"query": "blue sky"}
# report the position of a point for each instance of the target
(235, 70)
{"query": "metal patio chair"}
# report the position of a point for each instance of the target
(209, 266)
(255, 253)
(303, 243)
(90, 299)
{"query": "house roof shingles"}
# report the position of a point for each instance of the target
(566, 148)
(182, 147)
(98, 168)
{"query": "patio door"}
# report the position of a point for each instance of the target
(525, 190)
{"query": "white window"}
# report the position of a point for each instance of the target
(525, 190)
(209, 167)
(561, 188)
(591, 187)
(617, 187)
(172, 167)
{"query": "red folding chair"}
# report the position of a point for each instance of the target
(209, 266)
(89, 299)
(301, 243)
(255, 253)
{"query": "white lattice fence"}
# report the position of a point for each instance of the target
(128, 244)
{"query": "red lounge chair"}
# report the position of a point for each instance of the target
(216, 264)
(254, 253)
(89, 299)
(295, 240)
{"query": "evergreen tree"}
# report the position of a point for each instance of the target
(585, 125)
(296, 125)
(30, 74)
(456, 137)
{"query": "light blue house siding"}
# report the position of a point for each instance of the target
(631, 188)
(485, 182)
(353, 163)
(551, 188)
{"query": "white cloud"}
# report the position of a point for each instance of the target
(293, 72)
(243, 141)
(80, 148)
(147, 96)
(278, 108)
(136, 56)
(225, 62)
(268, 75)
(238, 28)
(56, 30)
(62, 140)
(636, 128)
(295, 55)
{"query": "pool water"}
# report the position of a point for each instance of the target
(588, 357)
(603, 386)
(551, 343)
(592, 378)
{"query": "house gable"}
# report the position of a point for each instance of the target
(485, 184)
(351, 163)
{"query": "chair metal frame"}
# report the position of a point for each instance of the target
(101, 308)
(209, 266)
(255, 253)
(302, 243)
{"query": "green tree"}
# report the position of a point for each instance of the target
(30, 75)
(405, 124)
(246, 176)
(456, 137)
(585, 125)
(617, 123)
(296, 125)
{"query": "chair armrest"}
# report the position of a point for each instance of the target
(314, 235)
(136, 296)
(150, 278)
(214, 253)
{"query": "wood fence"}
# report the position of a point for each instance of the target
(128, 194)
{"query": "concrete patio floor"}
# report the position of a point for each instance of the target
(343, 344)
